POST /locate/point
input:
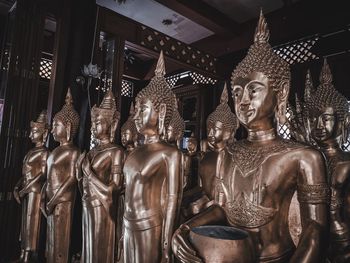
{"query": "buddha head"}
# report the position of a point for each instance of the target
(154, 104)
(260, 84)
(39, 129)
(105, 118)
(175, 128)
(66, 121)
(128, 130)
(222, 123)
(328, 110)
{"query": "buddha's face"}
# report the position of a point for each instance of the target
(59, 131)
(217, 133)
(192, 144)
(255, 100)
(100, 127)
(36, 134)
(146, 117)
(127, 138)
(323, 124)
(170, 135)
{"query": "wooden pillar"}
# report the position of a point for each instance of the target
(21, 90)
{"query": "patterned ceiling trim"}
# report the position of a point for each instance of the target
(176, 49)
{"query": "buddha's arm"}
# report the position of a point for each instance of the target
(313, 196)
(16, 189)
(39, 177)
(66, 186)
(103, 190)
(174, 188)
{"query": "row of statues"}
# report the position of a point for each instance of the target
(228, 203)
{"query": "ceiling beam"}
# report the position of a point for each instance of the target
(302, 19)
(204, 15)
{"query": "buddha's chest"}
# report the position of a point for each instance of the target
(143, 168)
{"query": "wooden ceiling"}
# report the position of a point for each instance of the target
(233, 22)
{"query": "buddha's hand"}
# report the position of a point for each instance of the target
(181, 246)
(78, 171)
(86, 167)
(16, 195)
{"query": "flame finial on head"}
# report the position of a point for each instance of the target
(108, 101)
(262, 33)
(326, 74)
(132, 109)
(160, 68)
(224, 95)
(69, 98)
(309, 87)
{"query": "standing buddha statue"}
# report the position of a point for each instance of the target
(27, 190)
(60, 187)
(261, 173)
(328, 112)
(152, 177)
(101, 183)
(221, 127)
(129, 132)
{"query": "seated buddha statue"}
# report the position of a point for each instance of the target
(153, 179)
(328, 112)
(261, 173)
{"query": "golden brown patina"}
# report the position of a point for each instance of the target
(329, 118)
(60, 186)
(153, 177)
(101, 182)
(262, 172)
(129, 132)
(27, 190)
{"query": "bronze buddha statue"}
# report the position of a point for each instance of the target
(27, 191)
(129, 132)
(153, 179)
(328, 111)
(221, 127)
(60, 186)
(261, 173)
(101, 182)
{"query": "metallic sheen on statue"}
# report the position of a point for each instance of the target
(261, 173)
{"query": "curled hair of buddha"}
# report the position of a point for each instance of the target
(158, 91)
(41, 122)
(177, 123)
(262, 58)
(327, 96)
(68, 114)
(107, 108)
(223, 114)
(130, 123)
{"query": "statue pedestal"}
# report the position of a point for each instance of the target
(222, 244)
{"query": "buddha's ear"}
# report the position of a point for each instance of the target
(69, 131)
(46, 132)
(114, 126)
(345, 128)
(161, 112)
(282, 99)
